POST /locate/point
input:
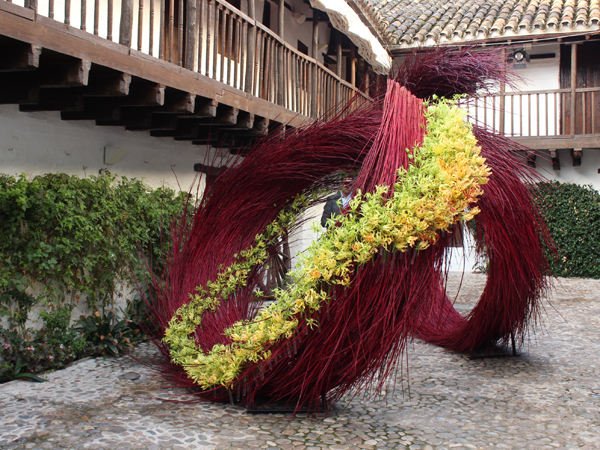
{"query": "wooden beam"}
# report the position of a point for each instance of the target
(55, 99)
(261, 125)
(555, 159)
(577, 154)
(228, 116)
(111, 85)
(179, 102)
(20, 88)
(145, 94)
(531, 156)
(106, 113)
(245, 121)
(20, 57)
(560, 142)
(206, 107)
(64, 73)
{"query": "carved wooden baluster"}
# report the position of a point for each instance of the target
(110, 21)
(67, 12)
(223, 42)
(161, 31)
(151, 28)
(244, 64)
(170, 42)
(82, 25)
(96, 15)
(237, 52)
(140, 25)
(230, 52)
(180, 35)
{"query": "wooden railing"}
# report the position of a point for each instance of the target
(557, 112)
(212, 38)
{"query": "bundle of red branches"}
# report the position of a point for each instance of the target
(364, 327)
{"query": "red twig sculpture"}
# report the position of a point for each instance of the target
(365, 323)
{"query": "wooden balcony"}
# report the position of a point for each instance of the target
(197, 70)
(544, 120)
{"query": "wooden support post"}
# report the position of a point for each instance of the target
(315, 45)
(338, 69)
(126, 27)
(577, 154)
(573, 86)
(339, 56)
(352, 65)
(249, 84)
(531, 157)
(191, 32)
(555, 159)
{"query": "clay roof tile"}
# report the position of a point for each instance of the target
(418, 21)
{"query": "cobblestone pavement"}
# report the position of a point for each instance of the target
(547, 398)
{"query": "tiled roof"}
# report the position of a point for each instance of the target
(411, 23)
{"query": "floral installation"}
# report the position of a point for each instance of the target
(439, 189)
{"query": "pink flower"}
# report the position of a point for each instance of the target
(31, 348)
(6, 346)
(70, 355)
(50, 357)
(60, 346)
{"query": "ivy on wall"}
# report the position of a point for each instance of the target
(572, 213)
(70, 237)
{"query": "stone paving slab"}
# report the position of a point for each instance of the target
(546, 398)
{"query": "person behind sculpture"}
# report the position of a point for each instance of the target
(340, 200)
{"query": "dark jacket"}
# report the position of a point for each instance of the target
(331, 209)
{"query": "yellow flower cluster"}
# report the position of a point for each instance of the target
(436, 191)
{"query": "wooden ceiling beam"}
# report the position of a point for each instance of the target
(20, 57)
(72, 72)
(109, 85)
(54, 99)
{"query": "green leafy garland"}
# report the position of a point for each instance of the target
(435, 192)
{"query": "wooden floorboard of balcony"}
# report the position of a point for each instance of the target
(587, 141)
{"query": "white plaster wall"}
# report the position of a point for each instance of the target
(39, 143)
(586, 174)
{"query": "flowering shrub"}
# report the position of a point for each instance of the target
(436, 191)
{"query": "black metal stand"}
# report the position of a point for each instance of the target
(496, 352)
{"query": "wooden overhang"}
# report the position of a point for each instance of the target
(50, 66)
